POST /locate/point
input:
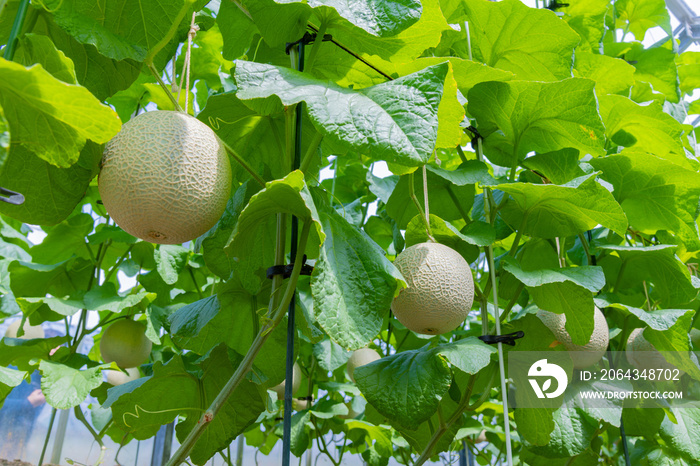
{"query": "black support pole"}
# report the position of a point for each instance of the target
(291, 328)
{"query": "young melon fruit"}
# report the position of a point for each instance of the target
(30, 331)
(125, 343)
(643, 355)
(296, 383)
(439, 292)
(165, 177)
(118, 377)
(359, 358)
(582, 355)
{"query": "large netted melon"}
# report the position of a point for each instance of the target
(165, 177)
(643, 355)
(439, 292)
(582, 355)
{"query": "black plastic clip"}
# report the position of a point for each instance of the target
(555, 5)
(306, 39)
(11, 197)
(286, 270)
(508, 338)
(476, 133)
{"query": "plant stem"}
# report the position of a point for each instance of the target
(118, 263)
(518, 236)
(584, 243)
(459, 207)
(242, 163)
(164, 86)
(181, 454)
(315, 48)
(81, 417)
(512, 301)
(619, 276)
(462, 156)
(412, 193)
(48, 435)
(168, 35)
(310, 152)
(16, 28)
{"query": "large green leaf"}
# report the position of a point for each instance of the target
(9, 378)
(142, 406)
(684, 435)
(353, 283)
(519, 117)
(673, 343)
(658, 265)
(547, 211)
(566, 290)
(51, 118)
(476, 234)
(612, 75)
(252, 244)
(533, 44)
(640, 15)
(645, 127)
(395, 121)
(64, 386)
(655, 194)
(50, 193)
(237, 30)
(33, 49)
(469, 354)
(27, 354)
(689, 71)
(587, 18)
(406, 387)
(170, 259)
(64, 240)
(121, 30)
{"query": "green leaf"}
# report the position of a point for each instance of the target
(573, 432)
(4, 139)
(130, 29)
(26, 354)
(559, 167)
(469, 354)
(64, 240)
(450, 193)
(278, 23)
(99, 74)
(62, 279)
(547, 211)
(353, 283)
(673, 343)
(533, 44)
(65, 386)
(587, 18)
(170, 261)
(9, 378)
(444, 233)
(651, 453)
(251, 245)
(330, 355)
(106, 298)
(689, 71)
(380, 120)
(33, 49)
(51, 118)
(612, 75)
(564, 291)
(406, 387)
(641, 15)
(237, 30)
(300, 439)
(652, 130)
(683, 435)
(519, 117)
(658, 265)
(142, 406)
(62, 307)
(660, 319)
(655, 194)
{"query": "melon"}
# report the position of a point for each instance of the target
(296, 383)
(582, 355)
(30, 331)
(119, 378)
(439, 289)
(299, 404)
(125, 343)
(360, 358)
(643, 355)
(165, 177)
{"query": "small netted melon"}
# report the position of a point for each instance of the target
(582, 355)
(439, 289)
(119, 378)
(165, 177)
(296, 383)
(30, 331)
(125, 343)
(643, 355)
(360, 358)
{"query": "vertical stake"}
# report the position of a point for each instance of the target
(291, 328)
